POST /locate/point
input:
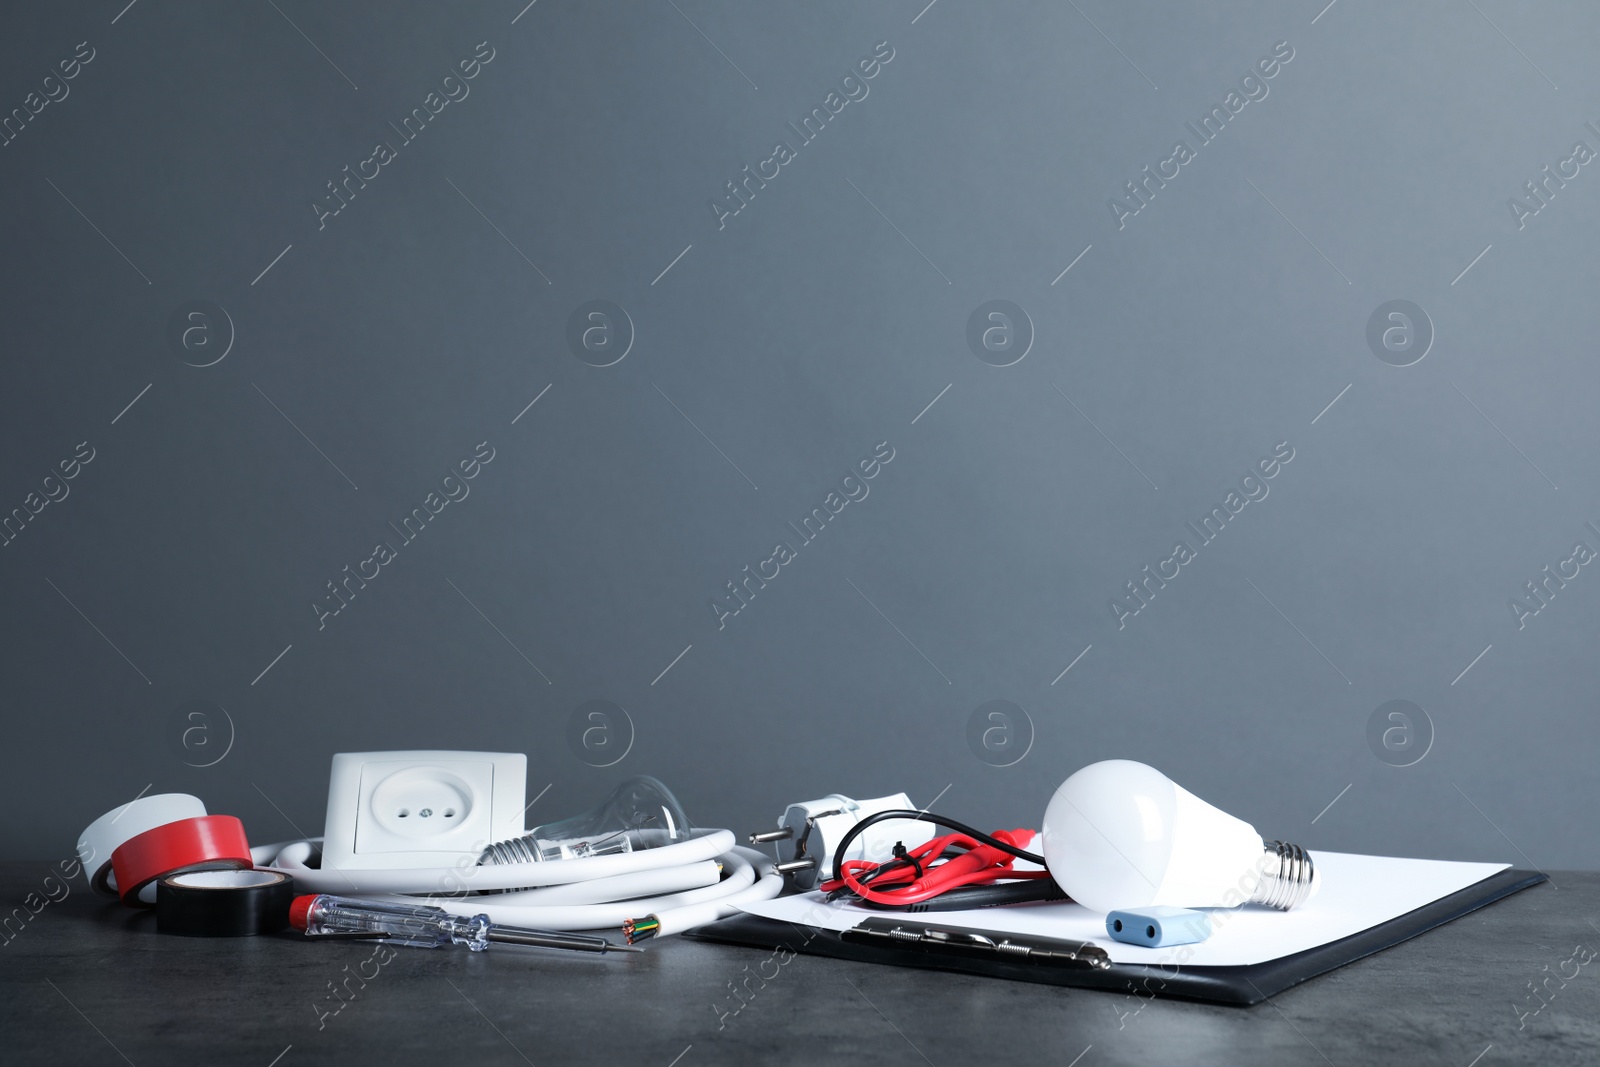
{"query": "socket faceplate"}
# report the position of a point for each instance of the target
(389, 810)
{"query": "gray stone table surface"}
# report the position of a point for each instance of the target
(86, 981)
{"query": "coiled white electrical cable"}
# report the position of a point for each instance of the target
(683, 884)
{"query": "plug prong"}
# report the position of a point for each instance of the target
(781, 834)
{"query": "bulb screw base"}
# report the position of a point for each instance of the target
(515, 850)
(1288, 877)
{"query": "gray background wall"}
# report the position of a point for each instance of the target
(178, 575)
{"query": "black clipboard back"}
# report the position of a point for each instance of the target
(1238, 986)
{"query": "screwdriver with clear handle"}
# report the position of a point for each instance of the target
(423, 926)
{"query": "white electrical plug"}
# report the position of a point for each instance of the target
(817, 826)
(398, 810)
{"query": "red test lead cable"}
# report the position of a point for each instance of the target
(916, 875)
(205, 843)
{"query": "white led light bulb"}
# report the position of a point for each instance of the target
(1120, 834)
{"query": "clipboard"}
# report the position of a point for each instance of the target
(1239, 986)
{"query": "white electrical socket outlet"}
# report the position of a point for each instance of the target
(389, 810)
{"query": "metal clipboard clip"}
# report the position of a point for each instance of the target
(988, 944)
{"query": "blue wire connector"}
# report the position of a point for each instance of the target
(1157, 927)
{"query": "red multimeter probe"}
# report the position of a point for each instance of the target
(914, 876)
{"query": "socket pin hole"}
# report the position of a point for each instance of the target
(1118, 924)
(403, 813)
(449, 813)
(1150, 932)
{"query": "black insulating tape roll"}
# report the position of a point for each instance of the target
(223, 903)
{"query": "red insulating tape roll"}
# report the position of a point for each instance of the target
(205, 843)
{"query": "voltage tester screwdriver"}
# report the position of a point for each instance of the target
(422, 926)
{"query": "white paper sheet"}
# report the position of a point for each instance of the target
(1358, 892)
